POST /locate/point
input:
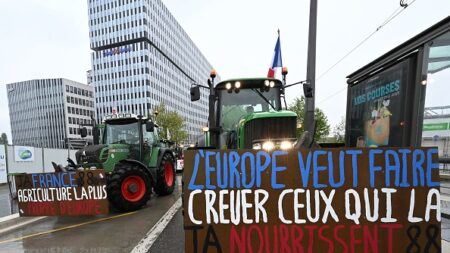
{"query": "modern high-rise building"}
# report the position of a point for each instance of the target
(142, 57)
(47, 112)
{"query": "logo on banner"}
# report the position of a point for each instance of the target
(23, 154)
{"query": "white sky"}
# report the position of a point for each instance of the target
(47, 39)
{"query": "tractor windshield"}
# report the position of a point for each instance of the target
(116, 133)
(235, 106)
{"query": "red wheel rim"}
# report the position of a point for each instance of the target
(169, 174)
(133, 188)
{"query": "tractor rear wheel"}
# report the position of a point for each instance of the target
(129, 187)
(165, 183)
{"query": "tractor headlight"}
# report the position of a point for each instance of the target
(268, 145)
(286, 145)
(256, 145)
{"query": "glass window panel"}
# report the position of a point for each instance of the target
(436, 124)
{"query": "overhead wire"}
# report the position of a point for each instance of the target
(400, 9)
(403, 6)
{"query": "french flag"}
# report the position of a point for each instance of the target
(277, 63)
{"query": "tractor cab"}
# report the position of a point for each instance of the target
(138, 133)
(248, 113)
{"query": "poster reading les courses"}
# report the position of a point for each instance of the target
(378, 105)
(382, 200)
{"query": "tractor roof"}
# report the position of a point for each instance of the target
(249, 82)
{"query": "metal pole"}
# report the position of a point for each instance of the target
(42, 150)
(68, 148)
(212, 117)
(311, 68)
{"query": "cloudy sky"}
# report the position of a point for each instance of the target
(49, 38)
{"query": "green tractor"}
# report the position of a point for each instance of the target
(134, 158)
(247, 114)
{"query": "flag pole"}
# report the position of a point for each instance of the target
(311, 69)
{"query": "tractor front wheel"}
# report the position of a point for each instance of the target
(129, 187)
(165, 183)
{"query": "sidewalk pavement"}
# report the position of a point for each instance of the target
(7, 206)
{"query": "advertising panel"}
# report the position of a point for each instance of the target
(436, 127)
(323, 200)
(376, 109)
(3, 174)
(23, 154)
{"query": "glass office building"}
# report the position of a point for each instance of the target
(47, 112)
(141, 58)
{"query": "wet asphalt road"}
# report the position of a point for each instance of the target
(172, 238)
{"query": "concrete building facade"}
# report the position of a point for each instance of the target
(142, 57)
(45, 112)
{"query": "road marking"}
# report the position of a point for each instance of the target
(66, 228)
(151, 236)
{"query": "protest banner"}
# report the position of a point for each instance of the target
(72, 193)
(323, 200)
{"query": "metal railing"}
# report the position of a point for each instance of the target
(444, 167)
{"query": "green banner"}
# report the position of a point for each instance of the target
(435, 127)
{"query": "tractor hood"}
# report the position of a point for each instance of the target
(260, 126)
(90, 154)
(99, 153)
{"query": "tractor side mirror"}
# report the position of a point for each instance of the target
(150, 126)
(308, 90)
(83, 132)
(195, 93)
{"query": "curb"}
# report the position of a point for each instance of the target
(14, 221)
(445, 215)
(9, 217)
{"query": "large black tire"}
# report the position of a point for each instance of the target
(129, 187)
(165, 176)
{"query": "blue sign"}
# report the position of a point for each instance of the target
(117, 50)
